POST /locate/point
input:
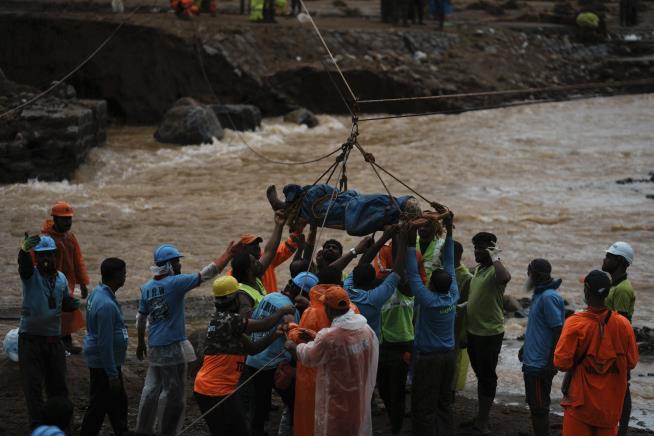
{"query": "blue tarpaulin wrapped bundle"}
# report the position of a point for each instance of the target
(357, 214)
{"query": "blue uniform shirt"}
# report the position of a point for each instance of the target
(163, 302)
(546, 312)
(370, 302)
(436, 311)
(37, 317)
(105, 343)
(269, 305)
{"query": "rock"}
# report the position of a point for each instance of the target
(189, 122)
(645, 340)
(238, 116)
(302, 116)
(49, 139)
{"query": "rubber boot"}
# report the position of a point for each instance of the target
(541, 424)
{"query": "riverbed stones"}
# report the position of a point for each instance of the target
(189, 122)
(240, 117)
(302, 116)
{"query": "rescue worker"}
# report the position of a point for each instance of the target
(485, 323)
(42, 358)
(621, 299)
(598, 348)
(345, 357)
(366, 291)
(224, 358)
(169, 351)
(435, 358)
(544, 324)
(265, 363)
(315, 319)
(69, 260)
(396, 340)
(274, 253)
(105, 346)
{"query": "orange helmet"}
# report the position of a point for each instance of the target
(61, 208)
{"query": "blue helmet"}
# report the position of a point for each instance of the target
(166, 252)
(48, 430)
(305, 281)
(46, 244)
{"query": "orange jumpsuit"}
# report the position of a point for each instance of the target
(314, 318)
(71, 263)
(599, 383)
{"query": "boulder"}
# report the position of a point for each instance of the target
(238, 116)
(189, 122)
(302, 116)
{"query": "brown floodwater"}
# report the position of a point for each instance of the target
(542, 177)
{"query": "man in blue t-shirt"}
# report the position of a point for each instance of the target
(169, 351)
(546, 317)
(41, 354)
(258, 396)
(105, 346)
(434, 355)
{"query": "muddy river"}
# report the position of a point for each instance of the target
(542, 177)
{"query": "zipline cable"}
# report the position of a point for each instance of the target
(238, 132)
(313, 23)
(510, 91)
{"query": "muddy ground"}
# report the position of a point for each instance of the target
(505, 420)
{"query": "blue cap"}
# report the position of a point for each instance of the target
(166, 252)
(46, 244)
(48, 430)
(305, 281)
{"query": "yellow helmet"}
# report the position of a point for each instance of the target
(224, 286)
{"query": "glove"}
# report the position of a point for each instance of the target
(494, 253)
(30, 242)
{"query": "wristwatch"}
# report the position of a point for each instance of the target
(354, 252)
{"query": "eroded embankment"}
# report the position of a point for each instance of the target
(156, 59)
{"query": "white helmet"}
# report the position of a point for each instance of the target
(622, 249)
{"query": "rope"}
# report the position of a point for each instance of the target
(238, 132)
(230, 395)
(461, 110)
(511, 91)
(313, 23)
(76, 69)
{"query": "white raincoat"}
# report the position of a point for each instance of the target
(345, 357)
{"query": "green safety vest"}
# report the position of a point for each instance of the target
(255, 294)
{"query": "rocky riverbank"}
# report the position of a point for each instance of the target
(49, 139)
(155, 59)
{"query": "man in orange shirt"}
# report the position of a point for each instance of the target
(224, 358)
(283, 252)
(599, 348)
(69, 260)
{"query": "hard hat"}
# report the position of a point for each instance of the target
(305, 281)
(622, 249)
(46, 244)
(61, 208)
(166, 252)
(224, 286)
